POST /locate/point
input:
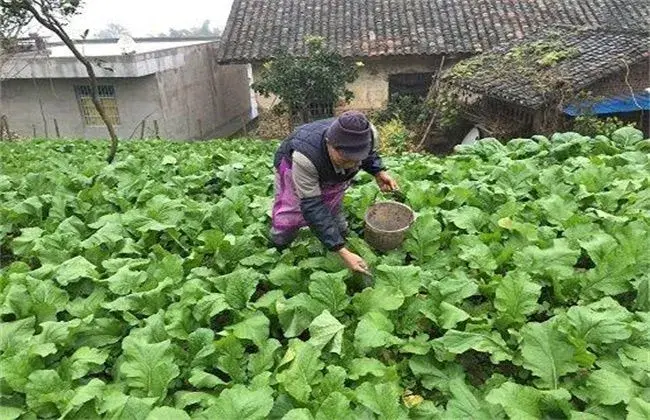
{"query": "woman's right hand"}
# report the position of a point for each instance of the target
(354, 262)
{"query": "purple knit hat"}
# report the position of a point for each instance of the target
(350, 134)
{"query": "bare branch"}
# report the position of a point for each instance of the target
(43, 15)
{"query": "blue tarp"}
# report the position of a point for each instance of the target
(640, 101)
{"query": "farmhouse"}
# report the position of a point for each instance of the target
(168, 88)
(534, 85)
(402, 42)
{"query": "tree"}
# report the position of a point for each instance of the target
(11, 27)
(54, 15)
(112, 31)
(320, 77)
(203, 30)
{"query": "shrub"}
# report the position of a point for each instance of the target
(410, 109)
(591, 125)
(394, 137)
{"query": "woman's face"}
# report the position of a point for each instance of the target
(339, 160)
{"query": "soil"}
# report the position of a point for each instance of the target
(389, 217)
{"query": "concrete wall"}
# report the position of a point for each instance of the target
(202, 99)
(29, 66)
(177, 98)
(371, 87)
(21, 101)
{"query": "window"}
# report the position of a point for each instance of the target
(106, 94)
(314, 111)
(319, 111)
(412, 84)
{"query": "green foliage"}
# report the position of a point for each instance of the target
(146, 289)
(531, 62)
(320, 77)
(394, 137)
(591, 125)
(545, 53)
(409, 109)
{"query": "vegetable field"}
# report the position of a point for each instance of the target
(148, 290)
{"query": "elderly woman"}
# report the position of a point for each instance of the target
(314, 167)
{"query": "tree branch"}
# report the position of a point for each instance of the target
(50, 22)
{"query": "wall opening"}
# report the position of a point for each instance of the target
(106, 94)
(411, 84)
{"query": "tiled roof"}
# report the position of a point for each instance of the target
(257, 29)
(595, 53)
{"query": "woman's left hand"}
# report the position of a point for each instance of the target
(386, 182)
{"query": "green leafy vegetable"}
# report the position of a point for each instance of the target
(147, 289)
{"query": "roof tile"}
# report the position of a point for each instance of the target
(599, 52)
(258, 29)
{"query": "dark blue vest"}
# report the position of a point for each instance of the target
(309, 139)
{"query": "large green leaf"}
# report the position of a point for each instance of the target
(458, 342)
(166, 413)
(209, 306)
(125, 281)
(200, 379)
(638, 410)
(333, 381)
(635, 359)
(423, 237)
(118, 406)
(558, 210)
(324, 330)
(93, 390)
(298, 414)
(617, 262)
(288, 277)
(83, 361)
(109, 234)
(468, 218)
(45, 390)
(148, 368)
(407, 279)
(547, 353)
(47, 300)
(303, 372)
(75, 269)
(382, 399)
(297, 313)
(336, 406)
(610, 388)
(255, 328)
(231, 358)
(476, 254)
(238, 287)
(455, 287)
(24, 243)
(516, 297)
(329, 290)
(528, 403)
(464, 403)
(627, 135)
(385, 298)
(15, 335)
(240, 403)
(557, 260)
(366, 366)
(433, 374)
(264, 359)
(374, 330)
(600, 323)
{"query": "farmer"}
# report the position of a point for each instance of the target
(314, 167)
